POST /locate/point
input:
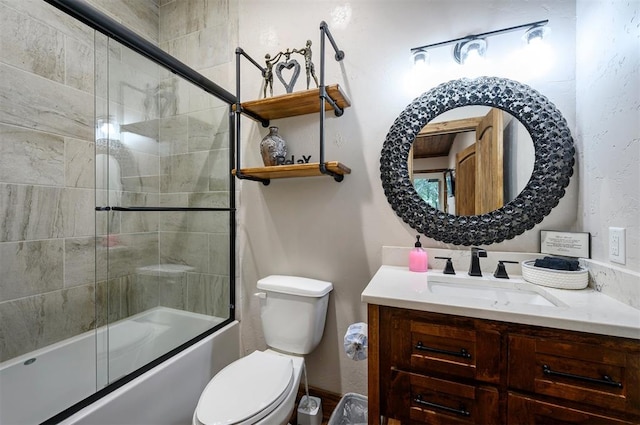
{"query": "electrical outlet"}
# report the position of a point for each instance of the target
(617, 252)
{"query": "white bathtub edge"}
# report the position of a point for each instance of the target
(168, 393)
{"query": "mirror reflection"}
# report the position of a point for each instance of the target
(471, 160)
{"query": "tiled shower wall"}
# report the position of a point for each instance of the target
(195, 166)
(57, 279)
(46, 177)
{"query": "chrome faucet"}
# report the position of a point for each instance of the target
(474, 267)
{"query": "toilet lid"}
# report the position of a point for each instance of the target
(249, 388)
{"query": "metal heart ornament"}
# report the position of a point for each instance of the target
(292, 63)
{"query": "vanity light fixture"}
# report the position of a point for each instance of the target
(536, 34)
(469, 50)
(420, 57)
(476, 44)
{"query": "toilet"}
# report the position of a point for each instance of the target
(261, 387)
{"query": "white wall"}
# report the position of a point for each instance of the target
(608, 102)
(335, 231)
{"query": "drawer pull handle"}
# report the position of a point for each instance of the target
(462, 411)
(606, 380)
(462, 353)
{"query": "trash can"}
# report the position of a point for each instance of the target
(351, 410)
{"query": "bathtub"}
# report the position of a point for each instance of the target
(40, 384)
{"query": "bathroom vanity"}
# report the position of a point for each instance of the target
(462, 350)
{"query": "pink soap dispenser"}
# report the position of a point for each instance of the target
(418, 257)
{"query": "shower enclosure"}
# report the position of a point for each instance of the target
(118, 214)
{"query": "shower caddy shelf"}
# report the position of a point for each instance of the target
(289, 105)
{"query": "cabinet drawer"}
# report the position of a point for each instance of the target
(449, 350)
(593, 374)
(421, 399)
(523, 410)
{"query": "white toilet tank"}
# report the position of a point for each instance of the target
(293, 312)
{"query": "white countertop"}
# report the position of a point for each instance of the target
(584, 310)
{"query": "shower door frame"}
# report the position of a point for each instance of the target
(99, 22)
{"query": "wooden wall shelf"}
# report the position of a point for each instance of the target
(297, 103)
(294, 170)
(304, 102)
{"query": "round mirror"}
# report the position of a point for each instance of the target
(552, 165)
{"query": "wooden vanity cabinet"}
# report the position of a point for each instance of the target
(431, 368)
(601, 372)
(437, 369)
(415, 398)
(528, 410)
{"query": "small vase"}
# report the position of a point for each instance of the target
(272, 147)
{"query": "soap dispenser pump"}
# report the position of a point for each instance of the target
(418, 257)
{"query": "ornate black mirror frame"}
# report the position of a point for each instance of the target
(552, 170)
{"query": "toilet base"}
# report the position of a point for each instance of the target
(308, 416)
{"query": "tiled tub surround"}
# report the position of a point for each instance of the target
(59, 279)
(47, 178)
(610, 305)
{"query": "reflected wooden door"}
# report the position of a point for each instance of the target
(466, 181)
(479, 169)
(489, 194)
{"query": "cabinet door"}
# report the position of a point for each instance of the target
(597, 375)
(523, 410)
(418, 399)
(467, 351)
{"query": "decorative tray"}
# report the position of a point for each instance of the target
(562, 279)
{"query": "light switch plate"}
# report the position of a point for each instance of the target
(617, 243)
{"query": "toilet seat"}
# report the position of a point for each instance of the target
(246, 391)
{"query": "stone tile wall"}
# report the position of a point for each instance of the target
(203, 35)
(46, 177)
(55, 280)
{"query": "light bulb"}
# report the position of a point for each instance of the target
(473, 57)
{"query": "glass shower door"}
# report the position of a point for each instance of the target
(163, 211)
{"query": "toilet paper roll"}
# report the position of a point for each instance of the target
(355, 341)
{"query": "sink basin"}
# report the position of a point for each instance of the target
(496, 294)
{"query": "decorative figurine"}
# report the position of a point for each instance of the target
(311, 72)
(161, 100)
(268, 72)
(288, 63)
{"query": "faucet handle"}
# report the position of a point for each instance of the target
(501, 271)
(448, 268)
(480, 252)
